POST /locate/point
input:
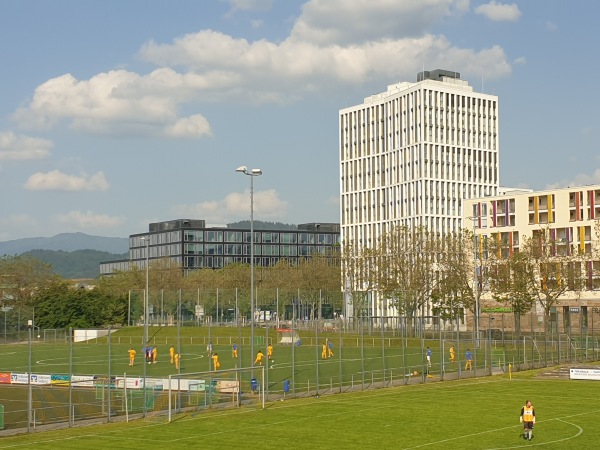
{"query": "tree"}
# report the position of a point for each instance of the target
(511, 281)
(454, 291)
(559, 269)
(20, 278)
(404, 271)
(61, 305)
(358, 276)
(317, 275)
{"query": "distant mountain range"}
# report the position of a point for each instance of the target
(78, 255)
(67, 242)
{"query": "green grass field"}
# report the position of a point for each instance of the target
(468, 413)
(92, 357)
(464, 414)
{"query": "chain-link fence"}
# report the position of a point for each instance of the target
(68, 376)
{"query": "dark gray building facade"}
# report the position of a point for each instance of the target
(194, 246)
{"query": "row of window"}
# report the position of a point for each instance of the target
(244, 249)
(266, 237)
(218, 262)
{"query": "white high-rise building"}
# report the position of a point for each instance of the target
(410, 155)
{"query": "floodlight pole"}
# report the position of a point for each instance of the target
(146, 239)
(251, 173)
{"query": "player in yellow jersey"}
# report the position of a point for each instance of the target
(132, 353)
(452, 354)
(259, 358)
(527, 418)
(154, 354)
(324, 351)
(172, 354)
(269, 351)
(176, 358)
(216, 363)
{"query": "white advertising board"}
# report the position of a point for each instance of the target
(584, 374)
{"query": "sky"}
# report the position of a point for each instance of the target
(115, 114)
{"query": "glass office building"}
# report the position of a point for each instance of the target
(193, 245)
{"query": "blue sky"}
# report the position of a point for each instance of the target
(114, 113)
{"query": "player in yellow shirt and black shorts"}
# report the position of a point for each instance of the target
(528, 420)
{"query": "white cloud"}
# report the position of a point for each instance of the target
(520, 60)
(328, 22)
(236, 206)
(582, 179)
(333, 44)
(334, 201)
(256, 23)
(268, 70)
(499, 11)
(20, 147)
(585, 179)
(88, 220)
(249, 5)
(21, 223)
(116, 101)
(58, 181)
(193, 126)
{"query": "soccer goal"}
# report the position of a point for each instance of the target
(287, 336)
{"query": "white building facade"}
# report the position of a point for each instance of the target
(411, 155)
(570, 217)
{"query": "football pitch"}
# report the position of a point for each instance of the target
(473, 413)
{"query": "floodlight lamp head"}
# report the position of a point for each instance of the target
(256, 172)
(242, 169)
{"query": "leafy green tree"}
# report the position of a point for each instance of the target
(61, 305)
(512, 283)
(558, 270)
(21, 277)
(454, 292)
(318, 278)
(405, 269)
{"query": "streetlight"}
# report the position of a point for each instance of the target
(251, 173)
(146, 239)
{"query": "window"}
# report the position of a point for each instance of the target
(213, 249)
(288, 238)
(307, 238)
(269, 238)
(289, 250)
(270, 250)
(233, 236)
(213, 236)
(233, 249)
(190, 235)
(194, 249)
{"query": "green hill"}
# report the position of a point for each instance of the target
(76, 264)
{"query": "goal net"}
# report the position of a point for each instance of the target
(287, 336)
